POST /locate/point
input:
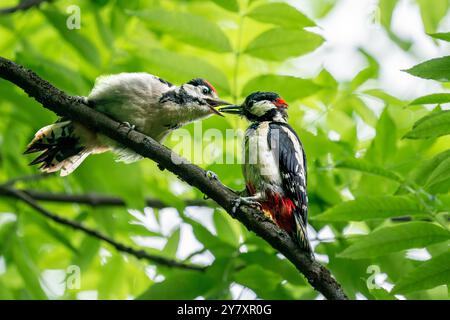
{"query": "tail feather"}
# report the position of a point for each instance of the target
(45, 157)
(35, 147)
(301, 235)
(60, 146)
(70, 164)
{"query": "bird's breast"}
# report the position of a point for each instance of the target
(260, 164)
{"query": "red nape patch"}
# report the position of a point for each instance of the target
(211, 86)
(280, 103)
(281, 210)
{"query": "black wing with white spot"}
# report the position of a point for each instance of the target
(287, 147)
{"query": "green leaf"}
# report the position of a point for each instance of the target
(384, 146)
(171, 247)
(428, 275)
(78, 41)
(381, 294)
(180, 285)
(367, 73)
(59, 75)
(432, 13)
(362, 77)
(225, 229)
(87, 252)
(326, 80)
(281, 14)
(321, 8)
(385, 97)
(173, 66)
(290, 88)
(425, 169)
(230, 5)
(8, 227)
(279, 44)
(186, 27)
(372, 207)
(435, 69)
(271, 262)
(106, 175)
(440, 175)
(443, 202)
(386, 10)
(104, 32)
(211, 242)
(28, 271)
(358, 105)
(111, 285)
(256, 277)
(367, 167)
(53, 232)
(395, 238)
(436, 98)
(441, 36)
(433, 125)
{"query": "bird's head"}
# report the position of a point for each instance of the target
(201, 95)
(260, 106)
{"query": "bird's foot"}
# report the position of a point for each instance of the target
(126, 124)
(211, 175)
(246, 201)
(81, 99)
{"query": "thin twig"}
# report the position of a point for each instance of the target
(97, 200)
(195, 253)
(22, 6)
(140, 254)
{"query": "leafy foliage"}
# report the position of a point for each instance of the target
(370, 184)
(396, 238)
(436, 69)
(428, 275)
(279, 44)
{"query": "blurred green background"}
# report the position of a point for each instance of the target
(374, 157)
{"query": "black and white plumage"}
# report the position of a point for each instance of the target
(274, 168)
(144, 102)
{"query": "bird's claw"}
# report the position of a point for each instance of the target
(126, 124)
(236, 205)
(81, 99)
(211, 175)
(246, 202)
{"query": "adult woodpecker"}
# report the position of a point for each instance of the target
(141, 101)
(274, 164)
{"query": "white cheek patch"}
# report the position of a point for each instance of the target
(261, 107)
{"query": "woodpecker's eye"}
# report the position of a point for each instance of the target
(205, 91)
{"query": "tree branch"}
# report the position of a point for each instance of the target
(140, 254)
(97, 200)
(61, 103)
(22, 6)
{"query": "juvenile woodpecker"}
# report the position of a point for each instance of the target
(274, 164)
(141, 101)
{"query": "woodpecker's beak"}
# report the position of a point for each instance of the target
(212, 103)
(233, 109)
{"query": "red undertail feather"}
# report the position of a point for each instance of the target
(281, 210)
